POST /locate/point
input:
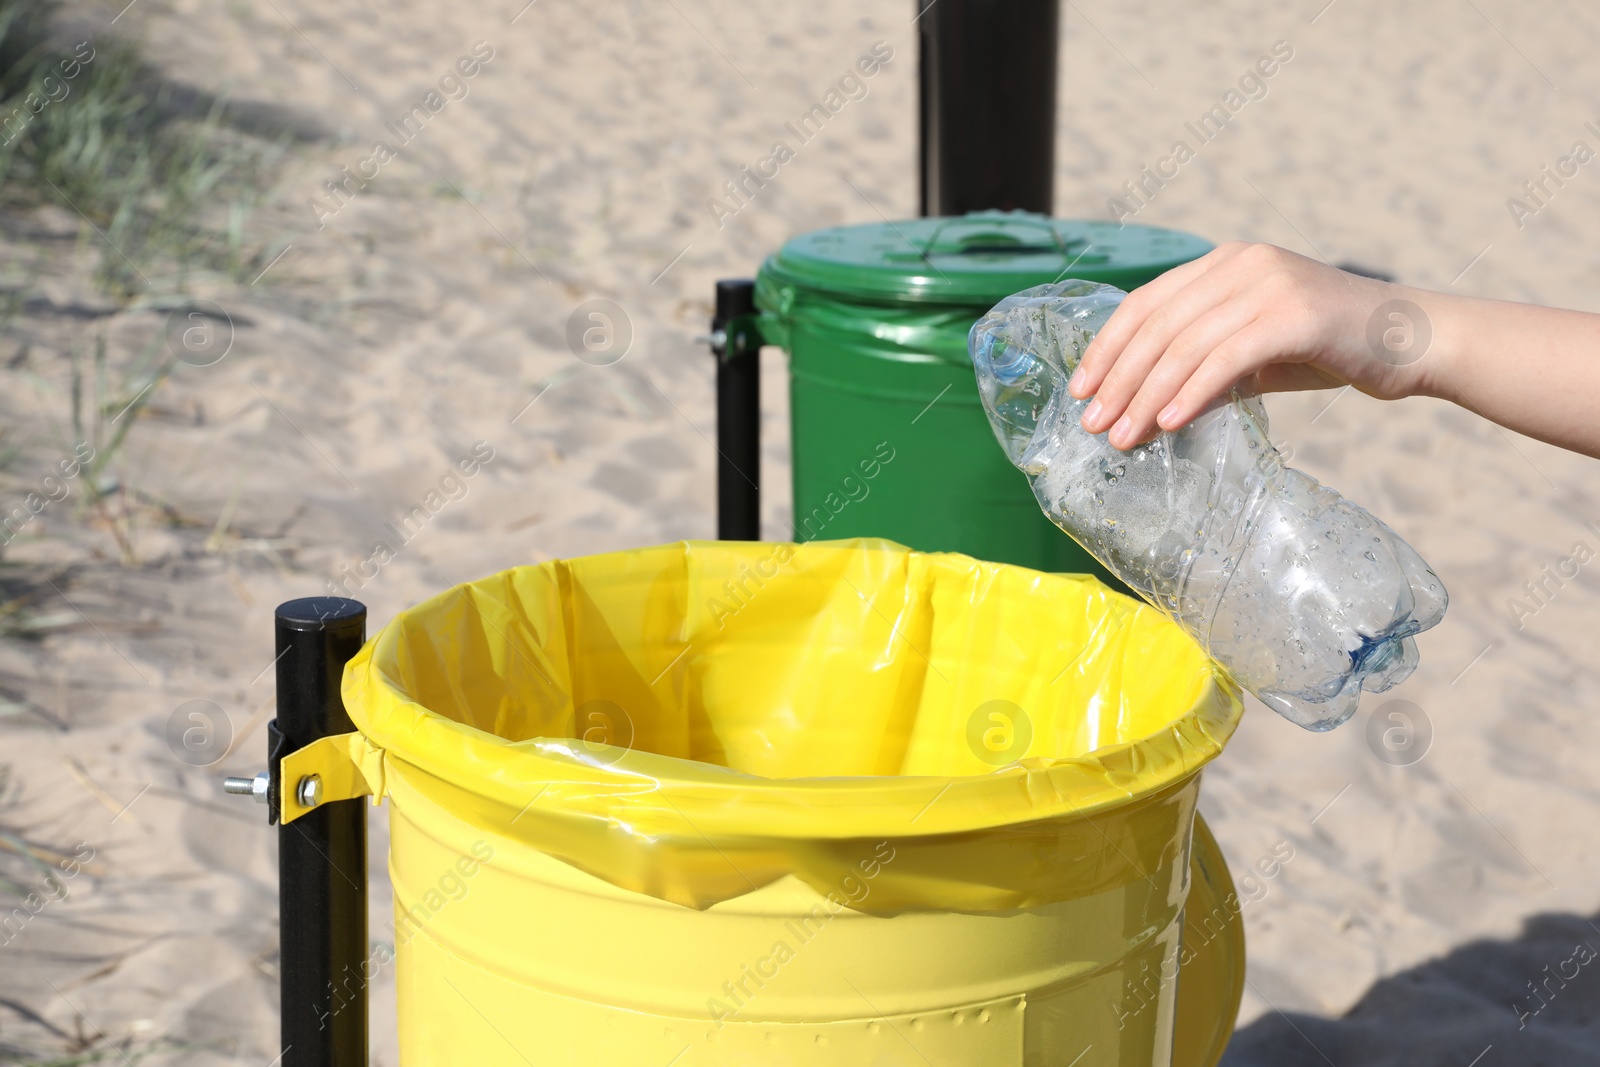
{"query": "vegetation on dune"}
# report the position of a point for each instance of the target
(158, 171)
(161, 180)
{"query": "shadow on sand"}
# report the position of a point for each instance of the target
(1475, 1006)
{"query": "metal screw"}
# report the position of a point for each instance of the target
(253, 787)
(309, 791)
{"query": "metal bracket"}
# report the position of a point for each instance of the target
(342, 766)
(740, 337)
(275, 746)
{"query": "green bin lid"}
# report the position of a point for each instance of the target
(977, 258)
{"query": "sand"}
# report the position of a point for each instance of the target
(429, 314)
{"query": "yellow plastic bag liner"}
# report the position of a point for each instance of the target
(697, 720)
(665, 768)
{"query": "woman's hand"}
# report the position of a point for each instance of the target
(1180, 342)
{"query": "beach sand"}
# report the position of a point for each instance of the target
(429, 313)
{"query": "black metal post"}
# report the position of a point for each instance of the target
(322, 856)
(988, 114)
(736, 343)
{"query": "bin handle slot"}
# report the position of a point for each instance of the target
(992, 240)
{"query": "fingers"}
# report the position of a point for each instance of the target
(1174, 367)
(1202, 313)
(1178, 344)
(1240, 355)
(1105, 350)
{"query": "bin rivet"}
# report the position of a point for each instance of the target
(309, 791)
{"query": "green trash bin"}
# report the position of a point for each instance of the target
(889, 437)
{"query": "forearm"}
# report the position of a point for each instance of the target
(1534, 370)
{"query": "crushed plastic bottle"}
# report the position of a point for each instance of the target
(1305, 598)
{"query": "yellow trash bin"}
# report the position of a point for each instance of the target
(844, 804)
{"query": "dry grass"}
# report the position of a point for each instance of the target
(163, 183)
